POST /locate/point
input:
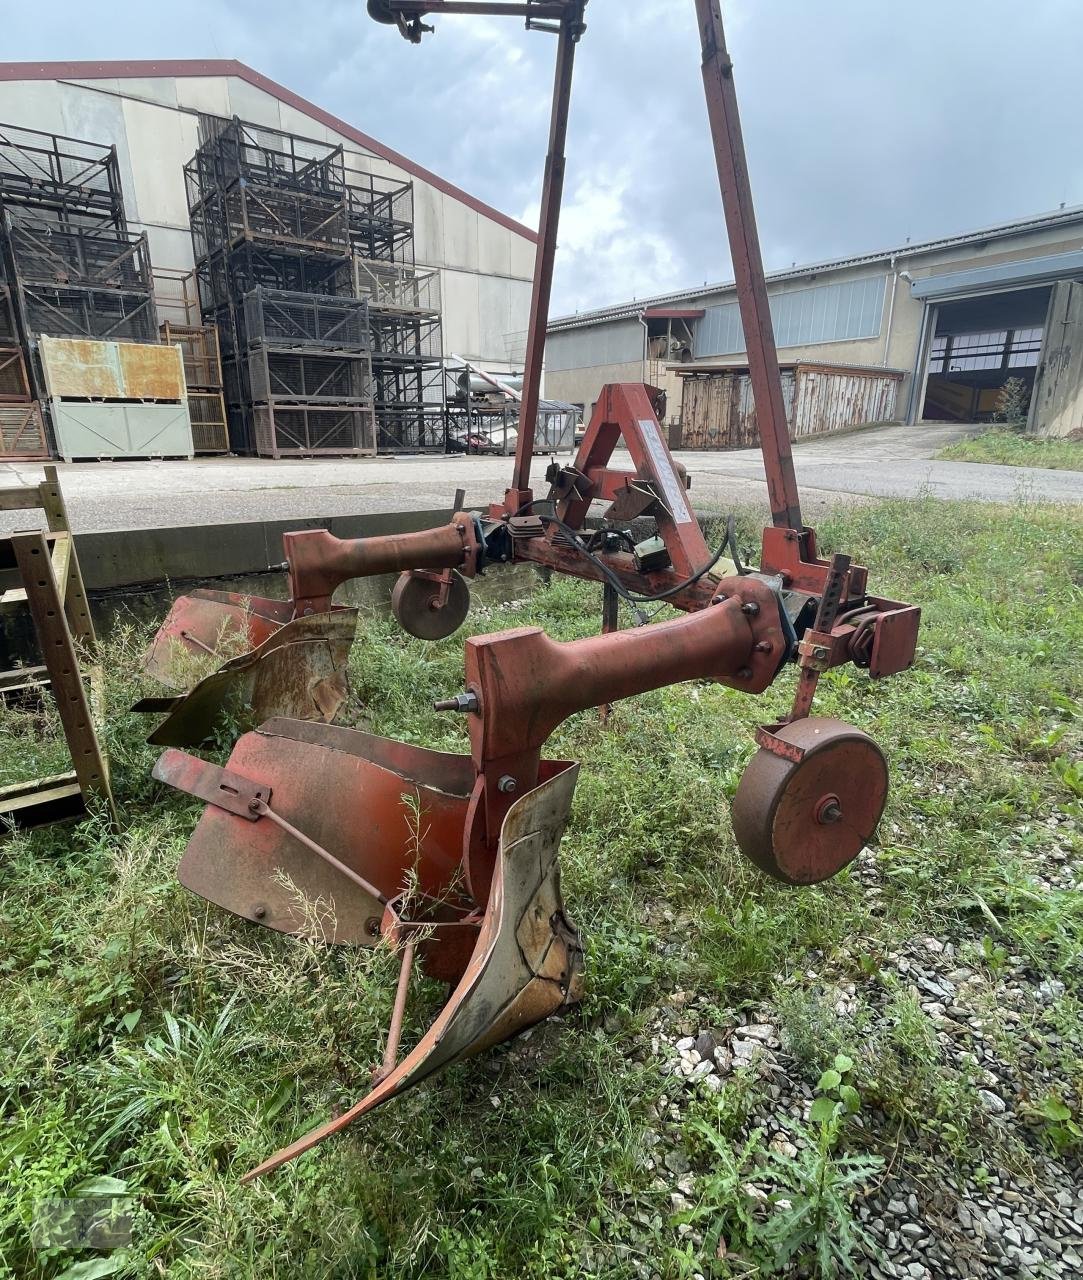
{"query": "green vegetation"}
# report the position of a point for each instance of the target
(149, 1038)
(1011, 449)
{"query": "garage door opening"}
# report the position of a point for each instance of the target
(977, 345)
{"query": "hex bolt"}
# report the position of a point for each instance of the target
(829, 810)
(259, 912)
(507, 784)
(751, 608)
(372, 926)
(745, 673)
(461, 702)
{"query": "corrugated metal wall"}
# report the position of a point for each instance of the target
(619, 342)
(717, 410)
(830, 399)
(822, 313)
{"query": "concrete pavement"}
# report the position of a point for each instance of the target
(880, 461)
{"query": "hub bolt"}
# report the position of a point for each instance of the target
(461, 702)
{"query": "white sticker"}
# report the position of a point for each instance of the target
(664, 472)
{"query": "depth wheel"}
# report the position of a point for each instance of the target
(414, 604)
(803, 821)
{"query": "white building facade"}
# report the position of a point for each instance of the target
(149, 111)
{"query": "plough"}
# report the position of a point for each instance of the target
(471, 892)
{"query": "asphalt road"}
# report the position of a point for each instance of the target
(878, 462)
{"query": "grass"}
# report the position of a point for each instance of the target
(150, 1038)
(1011, 449)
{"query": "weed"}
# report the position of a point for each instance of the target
(149, 1037)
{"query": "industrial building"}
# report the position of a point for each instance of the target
(920, 331)
(323, 288)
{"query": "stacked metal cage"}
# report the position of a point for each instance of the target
(288, 242)
(177, 299)
(69, 267)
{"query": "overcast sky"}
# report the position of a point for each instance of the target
(866, 121)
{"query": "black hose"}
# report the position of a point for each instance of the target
(632, 597)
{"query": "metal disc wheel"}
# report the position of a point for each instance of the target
(414, 604)
(803, 820)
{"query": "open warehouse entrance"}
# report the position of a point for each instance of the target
(977, 345)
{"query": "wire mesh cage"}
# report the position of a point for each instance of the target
(272, 215)
(210, 432)
(281, 431)
(407, 335)
(235, 149)
(288, 376)
(44, 252)
(176, 296)
(75, 182)
(404, 428)
(225, 277)
(7, 312)
(381, 217)
(391, 286)
(199, 352)
(290, 319)
(89, 313)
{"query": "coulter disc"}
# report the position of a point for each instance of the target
(414, 604)
(803, 821)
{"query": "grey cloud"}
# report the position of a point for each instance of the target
(865, 121)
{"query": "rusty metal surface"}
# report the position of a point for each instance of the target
(299, 671)
(828, 399)
(22, 433)
(88, 369)
(319, 562)
(418, 608)
(211, 623)
(732, 166)
(14, 384)
(624, 413)
(525, 966)
(718, 409)
(803, 820)
(349, 792)
(571, 28)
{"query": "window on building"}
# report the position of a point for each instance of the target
(801, 317)
(1026, 347)
(977, 351)
(995, 349)
(937, 351)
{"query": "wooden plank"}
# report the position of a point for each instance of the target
(43, 800)
(61, 556)
(23, 497)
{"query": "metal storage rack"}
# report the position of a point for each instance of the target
(297, 252)
(69, 267)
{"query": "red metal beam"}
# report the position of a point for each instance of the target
(748, 268)
(552, 191)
